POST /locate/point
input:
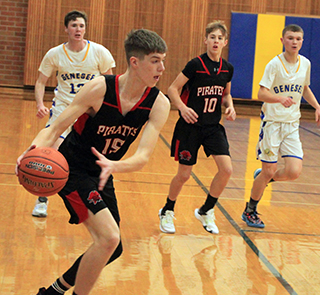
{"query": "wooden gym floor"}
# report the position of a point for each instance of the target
(283, 258)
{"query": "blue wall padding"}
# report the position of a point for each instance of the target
(241, 53)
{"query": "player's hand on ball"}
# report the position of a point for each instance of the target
(106, 168)
(20, 158)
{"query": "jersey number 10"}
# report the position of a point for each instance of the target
(209, 105)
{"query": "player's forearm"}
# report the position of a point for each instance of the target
(310, 98)
(46, 137)
(266, 96)
(39, 92)
(227, 100)
(131, 164)
(175, 99)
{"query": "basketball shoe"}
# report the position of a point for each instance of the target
(207, 221)
(42, 291)
(40, 208)
(256, 173)
(166, 222)
(251, 218)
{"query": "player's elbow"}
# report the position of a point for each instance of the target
(142, 161)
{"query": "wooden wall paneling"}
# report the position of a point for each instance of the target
(315, 7)
(43, 28)
(177, 32)
(180, 22)
(281, 6)
(303, 7)
(258, 6)
(111, 30)
(34, 40)
(96, 21)
(126, 23)
(54, 29)
(198, 24)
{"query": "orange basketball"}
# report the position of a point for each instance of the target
(43, 171)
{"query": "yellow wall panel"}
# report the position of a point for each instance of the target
(268, 45)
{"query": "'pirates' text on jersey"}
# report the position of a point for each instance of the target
(108, 131)
(204, 90)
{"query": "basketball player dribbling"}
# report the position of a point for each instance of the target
(109, 111)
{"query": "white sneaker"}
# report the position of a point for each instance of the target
(166, 222)
(40, 209)
(207, 221)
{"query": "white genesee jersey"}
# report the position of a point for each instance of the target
(74, 69)
(283, 78)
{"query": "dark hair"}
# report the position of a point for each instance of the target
(217, 25)
(143, 42)
(73, 15)
(292, 28)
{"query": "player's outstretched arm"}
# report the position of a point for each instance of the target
(89, 100)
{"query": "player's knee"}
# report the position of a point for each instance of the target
(269, 173)
(117, 253)
(110, 241)
(227, 171)
(183, 177)
(293, 174)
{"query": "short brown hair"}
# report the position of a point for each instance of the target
(292, 28)
(143, 42)
(217, 25)
(73, 15)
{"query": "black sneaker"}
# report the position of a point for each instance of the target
(42, 291)
(252, 219)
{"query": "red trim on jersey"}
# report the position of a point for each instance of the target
(136, 106)
(78, 206)
(110, 105)
(204, 66)
(176, 154)
(220, 66)
(141, 100)
(206, 69)
(143, 108)
(185, 96)
(117, 93)
(80, 123)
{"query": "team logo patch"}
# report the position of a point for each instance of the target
(185, 155)
(94, 197)
(268, 152)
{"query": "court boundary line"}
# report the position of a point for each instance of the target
(248, 241)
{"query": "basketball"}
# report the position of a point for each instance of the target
(43, 171)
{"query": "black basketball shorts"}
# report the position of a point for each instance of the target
(188, 138)
(81, 194)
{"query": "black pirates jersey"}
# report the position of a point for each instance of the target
(108, 131)
(204, 90)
